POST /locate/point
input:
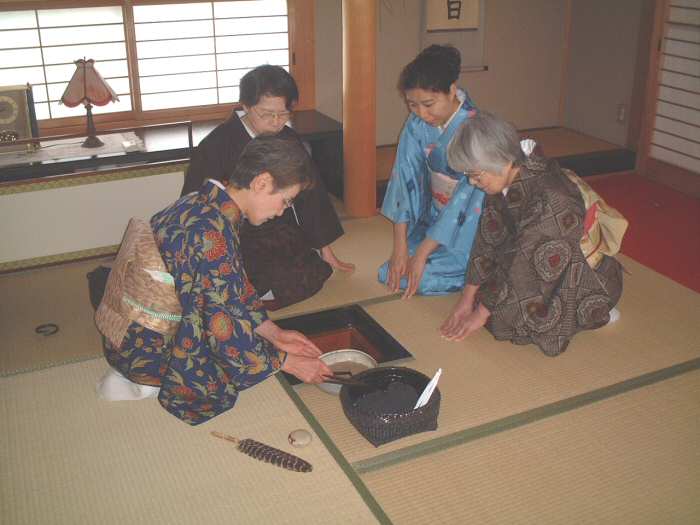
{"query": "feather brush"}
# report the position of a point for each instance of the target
(266, 453)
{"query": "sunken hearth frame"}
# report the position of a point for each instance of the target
(346, 327)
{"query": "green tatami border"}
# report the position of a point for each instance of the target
(352, 475)
(523, 418)
(52, 364)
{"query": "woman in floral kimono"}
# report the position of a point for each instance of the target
(534, 275)
(180, 318)
(434, 208)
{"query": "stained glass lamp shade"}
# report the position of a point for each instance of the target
(88, 87)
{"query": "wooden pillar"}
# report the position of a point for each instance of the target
(359, 107)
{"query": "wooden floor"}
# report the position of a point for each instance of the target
(555, 142)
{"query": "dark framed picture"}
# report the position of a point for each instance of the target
(451, 15)
(17, 117)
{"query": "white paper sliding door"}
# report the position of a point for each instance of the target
(675, 133)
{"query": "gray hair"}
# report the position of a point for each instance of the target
(485, 142)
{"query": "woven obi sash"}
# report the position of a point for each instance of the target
(442, 187)
(139, 288)
(603, 226)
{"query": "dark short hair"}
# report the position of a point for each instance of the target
(435, 68)
(285, 159)
(271, 81)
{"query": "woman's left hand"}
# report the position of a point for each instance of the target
(416, 266)
(296, 343)
(290, 341)
(459, 326)
(414, 274)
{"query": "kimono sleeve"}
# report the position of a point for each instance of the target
(219, 317)
(216, 155)
(484, 254)
(408, 191)
(457, 223)
(317, 216)
(203, 164)
(532, 264)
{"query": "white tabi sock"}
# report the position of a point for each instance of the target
(614, 315)
(115, 387)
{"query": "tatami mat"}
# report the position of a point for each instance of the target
(485, 380)
(367, 244)
(68, 458)
(634, 458)
(59, 295)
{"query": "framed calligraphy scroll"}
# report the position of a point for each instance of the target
(460, 23)
(451, 15)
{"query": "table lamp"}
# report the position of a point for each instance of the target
(88, 87)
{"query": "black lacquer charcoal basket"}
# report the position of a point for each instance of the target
(380, 428)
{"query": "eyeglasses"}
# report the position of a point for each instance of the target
(271, 116)
(474, 175)
(289, 203)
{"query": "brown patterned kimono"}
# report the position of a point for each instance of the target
(527, 259)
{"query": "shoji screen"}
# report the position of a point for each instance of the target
(675, 137)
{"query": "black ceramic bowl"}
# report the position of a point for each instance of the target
(377, 427)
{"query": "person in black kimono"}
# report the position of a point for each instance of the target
(289, 258)
(529, 280)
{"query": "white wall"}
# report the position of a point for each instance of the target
(398, 42)
(329, 58)
(601, 67)
(523, 49)
(75, 218)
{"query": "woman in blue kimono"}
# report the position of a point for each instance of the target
(434, 209)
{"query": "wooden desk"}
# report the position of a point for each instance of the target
(174, 145)
(325, 135)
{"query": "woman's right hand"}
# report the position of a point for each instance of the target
(398, 266)
(307, 369)
(398, 262)
(460, 313)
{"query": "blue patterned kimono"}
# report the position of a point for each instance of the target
(435, 201)
(215, 353)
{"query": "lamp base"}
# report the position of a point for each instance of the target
(92, 142)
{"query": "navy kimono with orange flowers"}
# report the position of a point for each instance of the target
(215, 353)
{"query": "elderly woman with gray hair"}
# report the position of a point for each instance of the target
(534, 275)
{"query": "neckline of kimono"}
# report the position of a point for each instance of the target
(247, 128)
(217, 183)
(447, 123)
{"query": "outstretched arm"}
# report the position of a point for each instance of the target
(416, 265)
(330, 257)
(398, 263)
